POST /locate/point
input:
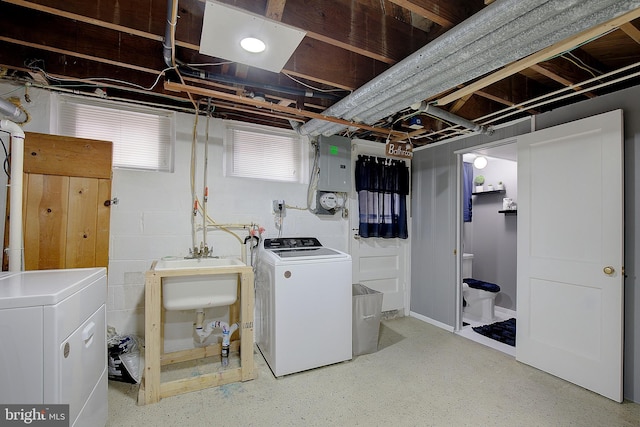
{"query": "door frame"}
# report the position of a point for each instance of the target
(459, 220)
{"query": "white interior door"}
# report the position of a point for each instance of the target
(570, 252)
(379, 264)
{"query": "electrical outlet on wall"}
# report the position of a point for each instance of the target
(278, 207)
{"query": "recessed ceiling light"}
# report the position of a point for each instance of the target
(253, 45)
(224, 26)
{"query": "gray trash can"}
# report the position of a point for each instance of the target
(367, 310)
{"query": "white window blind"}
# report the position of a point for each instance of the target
(264, 153)
(143, 138)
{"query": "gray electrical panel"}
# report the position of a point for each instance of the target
(335, 164)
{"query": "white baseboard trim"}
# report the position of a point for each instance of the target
(431, 321)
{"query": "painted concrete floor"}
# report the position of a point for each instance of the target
(421, 375)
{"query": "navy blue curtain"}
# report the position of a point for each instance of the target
(467, 189)
(382, 186)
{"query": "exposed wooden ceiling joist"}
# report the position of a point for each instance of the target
(444, 13)
(177, 87)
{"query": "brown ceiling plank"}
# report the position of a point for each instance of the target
(356, 27)
(82, 18)
(137, 16)
(631, 30)
(275, 9)
(80, 55)
(94, 21)
(177, 87)
(445, 13)
(83, 40)
(324, 63)
(542, 55)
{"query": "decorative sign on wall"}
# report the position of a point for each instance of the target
(403, 150)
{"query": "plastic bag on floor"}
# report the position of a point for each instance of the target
(125, 357)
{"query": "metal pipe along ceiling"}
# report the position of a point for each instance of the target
(12, 112)
(501, 33)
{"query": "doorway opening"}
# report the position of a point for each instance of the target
(486, 243)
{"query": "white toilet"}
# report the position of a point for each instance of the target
(480, 303)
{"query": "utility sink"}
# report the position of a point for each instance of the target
(190, 292)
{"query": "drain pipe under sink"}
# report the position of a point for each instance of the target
(227, 331)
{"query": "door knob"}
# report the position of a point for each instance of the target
(608, 270)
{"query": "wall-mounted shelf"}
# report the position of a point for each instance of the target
(489, 192)
(509, 212)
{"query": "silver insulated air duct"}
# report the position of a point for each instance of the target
(503, 32)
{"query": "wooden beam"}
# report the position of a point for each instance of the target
(275, 9)
(80, 55)
(177, 87)
(82, 18)
(97, 22)
(459, 103)
(631, 30)
(447, 14)
(558, 78)
(542, 55)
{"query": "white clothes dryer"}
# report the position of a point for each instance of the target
(54, 344)
(303, 304)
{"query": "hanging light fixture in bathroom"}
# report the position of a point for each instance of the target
(480, 162)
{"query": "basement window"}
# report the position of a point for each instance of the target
(143, 138)
(262, 152)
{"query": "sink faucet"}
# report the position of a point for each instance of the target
(200, 252)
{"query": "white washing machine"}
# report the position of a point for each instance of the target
(303, 305)
(54, 346)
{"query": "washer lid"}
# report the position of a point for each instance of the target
(307, 253)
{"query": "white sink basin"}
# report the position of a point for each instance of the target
(201, 291)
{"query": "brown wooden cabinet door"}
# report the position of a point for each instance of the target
(65, 218)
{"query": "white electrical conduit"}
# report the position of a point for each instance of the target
(194, 197)
(532, 103)
(15, 249)
(487, 34)
(205, 188)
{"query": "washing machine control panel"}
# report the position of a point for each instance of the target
(291, 243)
